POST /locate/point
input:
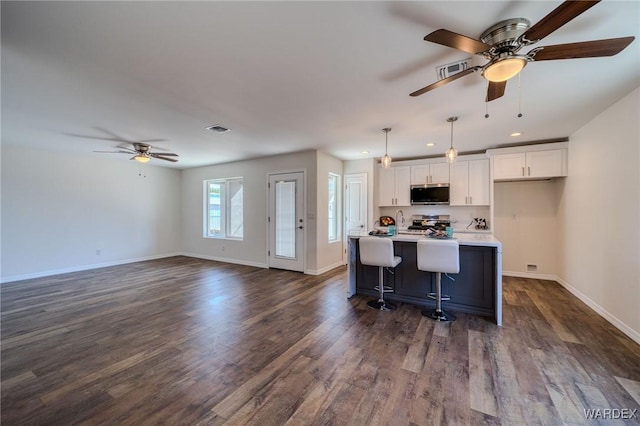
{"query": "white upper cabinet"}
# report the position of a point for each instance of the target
(545, 163)
(530, 164)
(469, 183)
(430, 173)
(509, 166)
(394, 186)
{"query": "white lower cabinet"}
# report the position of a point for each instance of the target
(469, 184)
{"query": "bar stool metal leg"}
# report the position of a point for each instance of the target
(380, 304)
(438, 314)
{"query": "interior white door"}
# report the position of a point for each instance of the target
(286, 221)
(355, 206)
(355, 203)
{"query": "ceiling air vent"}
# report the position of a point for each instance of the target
(447, 70)
(217, 128)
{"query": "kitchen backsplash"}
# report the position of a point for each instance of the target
(461, 216)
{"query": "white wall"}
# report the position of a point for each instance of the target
(329, 255)
(599, 212)
(59, 208)
(525, 216)
(252, 250)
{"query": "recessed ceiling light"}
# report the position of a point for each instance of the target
(430, 144)
(516, 134)
(217, 128)
(364, 152)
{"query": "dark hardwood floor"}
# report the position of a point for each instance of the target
(190, 341)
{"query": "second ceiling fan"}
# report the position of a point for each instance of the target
(501, 43)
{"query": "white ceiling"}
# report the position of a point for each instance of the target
(289, 76)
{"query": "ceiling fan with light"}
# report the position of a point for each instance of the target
(501, 43)
(142, 152)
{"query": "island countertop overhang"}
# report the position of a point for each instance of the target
(466, 239)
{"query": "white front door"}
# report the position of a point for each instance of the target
(286, 221)
(355, 205)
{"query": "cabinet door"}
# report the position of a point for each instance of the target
(459, 185)
(386, 187)
(478, 182)
(509, 166)
(544, 163)
(403, 186)
(420, 174)
(474, 285)
(439, 173)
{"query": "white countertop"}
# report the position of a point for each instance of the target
(465, 239)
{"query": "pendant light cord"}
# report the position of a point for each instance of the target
(386, 141)
(451, 134)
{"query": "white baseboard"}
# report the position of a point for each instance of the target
(83, 268)
(616, 322)
(530, 275)
(325, 269)
(226, 260)
(620, 325)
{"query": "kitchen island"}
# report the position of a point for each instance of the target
(477, 289)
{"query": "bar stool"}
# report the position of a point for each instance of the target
(439, 256)
(378, 251)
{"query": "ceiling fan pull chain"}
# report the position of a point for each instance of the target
(486, 109)
(519, 95)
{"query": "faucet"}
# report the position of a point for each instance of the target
(401, 213)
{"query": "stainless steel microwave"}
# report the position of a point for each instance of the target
(430, 194)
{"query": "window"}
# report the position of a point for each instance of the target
(334, 208)
(223, 208)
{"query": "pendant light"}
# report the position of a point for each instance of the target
(451, 153)
(386, 160)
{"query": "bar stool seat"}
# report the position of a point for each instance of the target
(378, 251)
(439, 256)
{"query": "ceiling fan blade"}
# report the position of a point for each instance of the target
(159, 157)
(585, 49)
(126, 148)
(495, 90)
(457, 41)
(166, 154)
(114, 152)
(445, 81)
(557, 18)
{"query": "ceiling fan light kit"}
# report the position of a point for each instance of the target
(503, 69)
(141, 158)
(501, 42)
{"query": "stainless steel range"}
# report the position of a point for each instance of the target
(421, 224)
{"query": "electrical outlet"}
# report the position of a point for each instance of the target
(98, 252)
(532, 268)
